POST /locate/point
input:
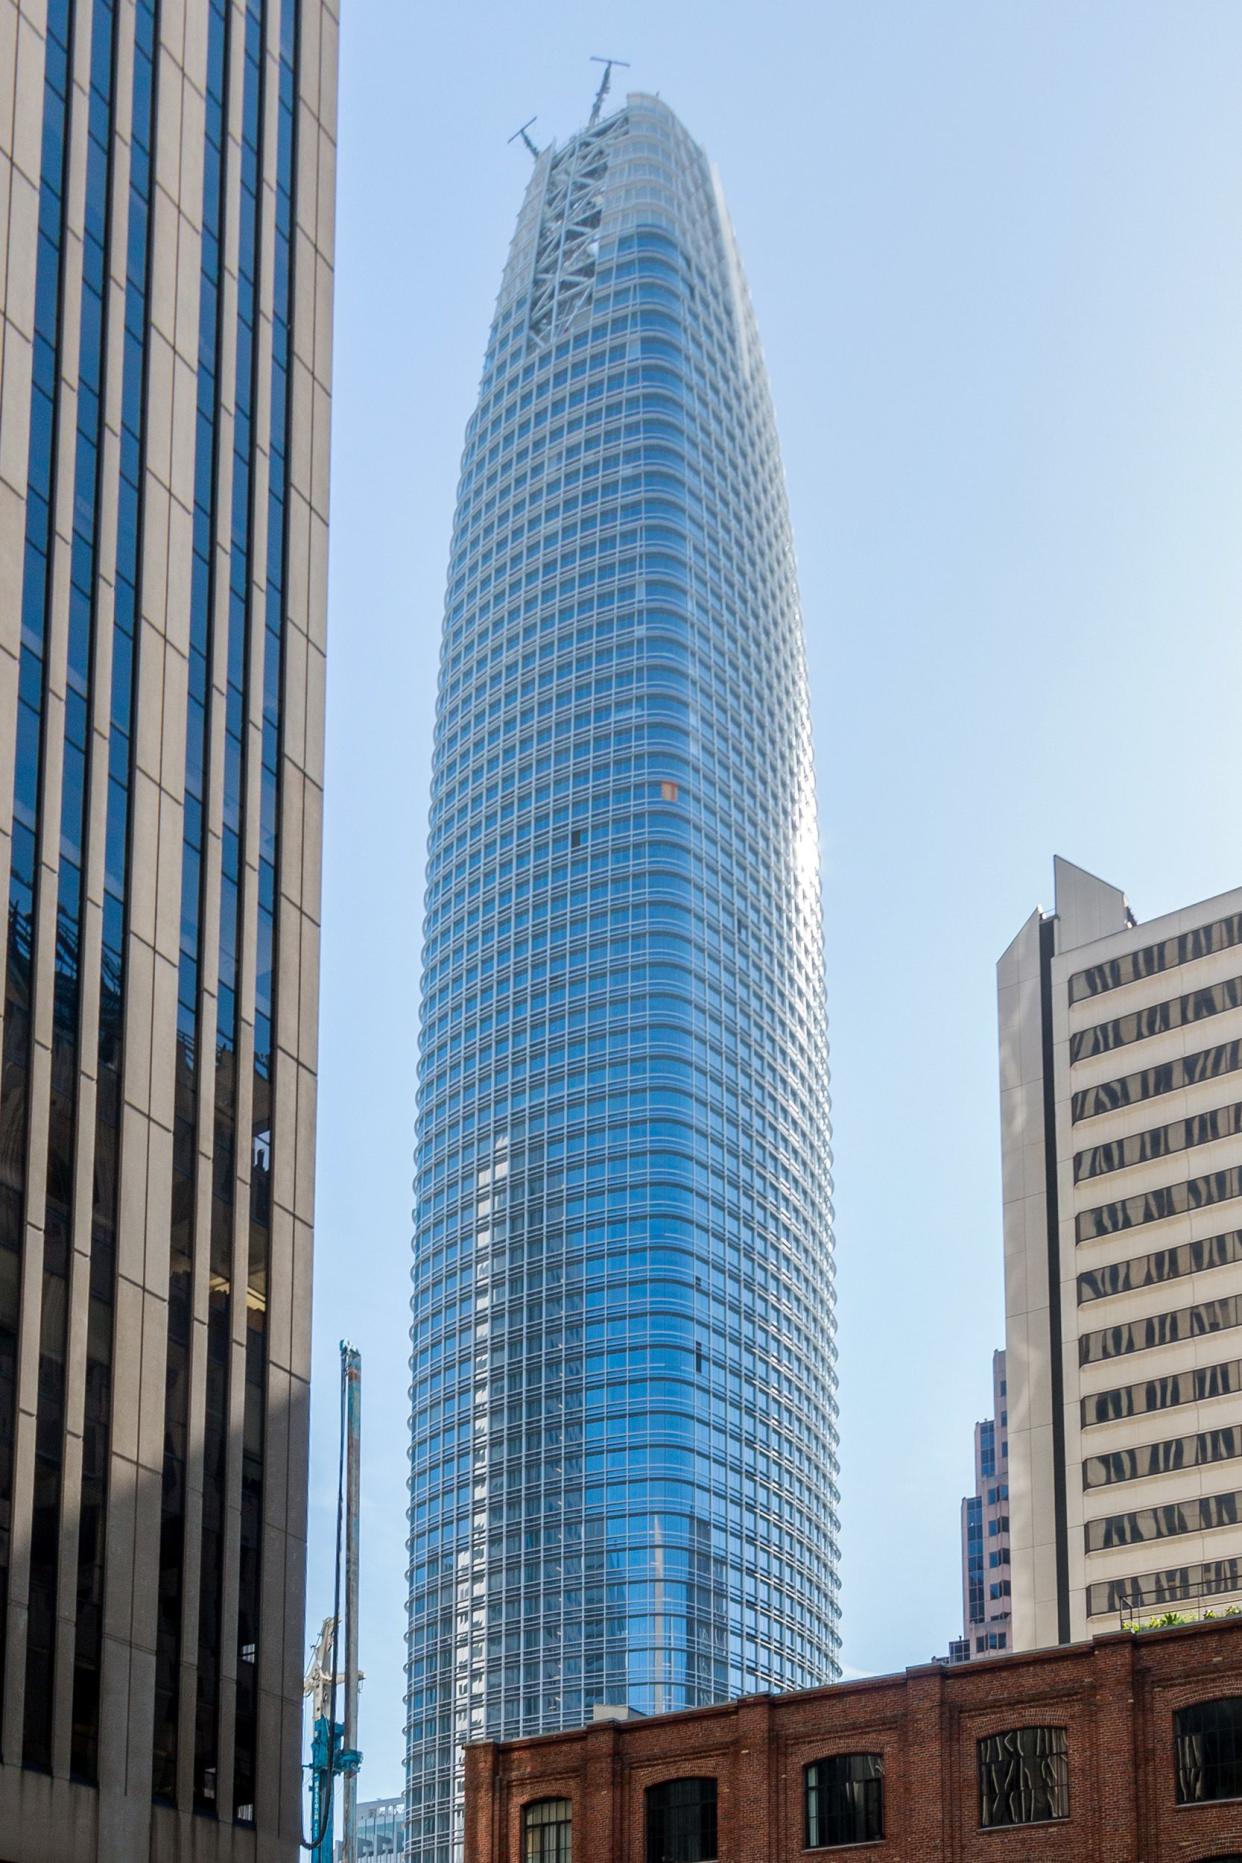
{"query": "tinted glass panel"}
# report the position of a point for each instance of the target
(1165, 1264)
(1152, 1206)
(681, 1821)
(547, 1831)
(1207, 1741)
(1153, 958)
(1183, 1071)
(1183, 1387)
(1158, 1142)
(1156, 1590)
(1218, 1445)
(1210, 1316)
(1198, 1515)
(1023, 1777)
(1141, 1024)
(845, 1799)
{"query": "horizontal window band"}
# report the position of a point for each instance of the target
(1157, 1019)
(1219, 1122)
(1193, 1386)
(1165, 1264)
(1153, 1206)
(1163, 1458)
(1186, 1070)
(1200, 1514)
(1176, 1585)
(1133, 966)
(1158, 1329)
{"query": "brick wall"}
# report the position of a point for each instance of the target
(1115, 1697)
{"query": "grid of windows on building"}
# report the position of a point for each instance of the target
(623, 1481)
(985, 1535)
(1121, 1047)
(381, 1830)
(142, 855)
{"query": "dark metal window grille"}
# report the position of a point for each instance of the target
(1207, 1740)
(845, 1800)
(681, 1821)
(1023, 1777)
(548, 1831)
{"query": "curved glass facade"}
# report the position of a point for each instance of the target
(623, 1481)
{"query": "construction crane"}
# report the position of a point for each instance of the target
(334, 1744)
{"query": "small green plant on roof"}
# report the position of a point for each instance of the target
(1169, 1620)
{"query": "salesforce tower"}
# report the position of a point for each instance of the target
(623, 1462)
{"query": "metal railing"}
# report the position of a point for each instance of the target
(1188, 1603)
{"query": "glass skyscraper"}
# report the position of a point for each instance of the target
(165, 327)
(623, 1483)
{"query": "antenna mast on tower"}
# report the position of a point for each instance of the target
(525, 137)
(605, 84)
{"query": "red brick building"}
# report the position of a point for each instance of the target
(1124, 1750)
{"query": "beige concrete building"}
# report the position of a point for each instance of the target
(1121, 1115)
(166, 231)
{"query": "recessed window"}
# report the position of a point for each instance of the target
(1207, 1741)
(1023, 1777)
(681, 1821)
(845, 1800)
(548, 1831)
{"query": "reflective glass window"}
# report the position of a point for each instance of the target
(1207, 1741)
(1197, 1514)
(1023, 1776)
(681, 1821)
(845, 1800)
(547, 1831)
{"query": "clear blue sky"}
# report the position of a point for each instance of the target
(996, 257)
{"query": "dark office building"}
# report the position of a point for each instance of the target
(166, 174)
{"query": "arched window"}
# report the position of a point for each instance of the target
(1207, 1740)
(1023, 1777)
(845, 1800)
(548, 1831)
(681, 1821)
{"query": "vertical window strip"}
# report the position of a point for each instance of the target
(245, 1763)
(27, 786)
(188, 1059)
(97, 1412)
(219, 1329)
(66, 988)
